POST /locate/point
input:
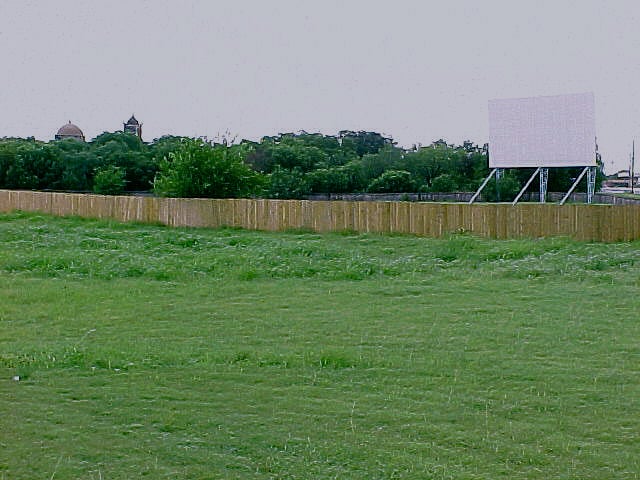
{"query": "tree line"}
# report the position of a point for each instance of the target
(288, 165)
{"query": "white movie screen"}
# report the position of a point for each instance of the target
(556, 131)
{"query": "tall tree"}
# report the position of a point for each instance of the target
(199, 169)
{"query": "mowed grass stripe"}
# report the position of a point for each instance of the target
(454, 358)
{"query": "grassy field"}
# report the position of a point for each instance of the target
(129, 351)
(635, 196)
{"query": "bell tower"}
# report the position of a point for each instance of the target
(133, 126)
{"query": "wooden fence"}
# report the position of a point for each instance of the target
(608, 223)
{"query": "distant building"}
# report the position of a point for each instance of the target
(621, 182)
(69, 130)
(133, 126)
(625, 176)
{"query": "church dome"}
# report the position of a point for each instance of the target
(69, 130)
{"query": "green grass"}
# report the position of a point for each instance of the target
(634, 196)
(194, 353)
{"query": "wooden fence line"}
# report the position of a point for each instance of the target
(607, 223)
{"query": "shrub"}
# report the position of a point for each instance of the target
(199, 169)
(109, 180)
(284, 183)
(392, 181)
(329, 180)
(503, 190)
(444, 183)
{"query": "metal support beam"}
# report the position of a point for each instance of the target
(575, 184)
(499, 174)
(591, 183)
(544, 178)
(484, 184)
(526, 186)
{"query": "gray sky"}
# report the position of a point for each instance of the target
(416, 70)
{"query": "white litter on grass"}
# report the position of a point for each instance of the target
(16, 378)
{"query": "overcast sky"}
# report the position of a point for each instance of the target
(415, 70)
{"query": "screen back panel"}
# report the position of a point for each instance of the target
(555, 131)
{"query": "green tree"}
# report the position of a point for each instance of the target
(374, 164)
(28, 164)
(444, 183)
(504, 189)
(77, 165)
(363, 143)
(13, 171)
(109, 180)
(284, 183)
(128, 152)
(199, 169)
(328, 180)
(465, 165)
(288, 154)
(393, 181)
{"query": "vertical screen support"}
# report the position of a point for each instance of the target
(544, 178)
(499, 175)
(591, 183)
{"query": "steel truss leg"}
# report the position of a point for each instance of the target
(484, 184)
(499, 174)
(575, 184)
(524, 189)
(591, 183)
(544, 177)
